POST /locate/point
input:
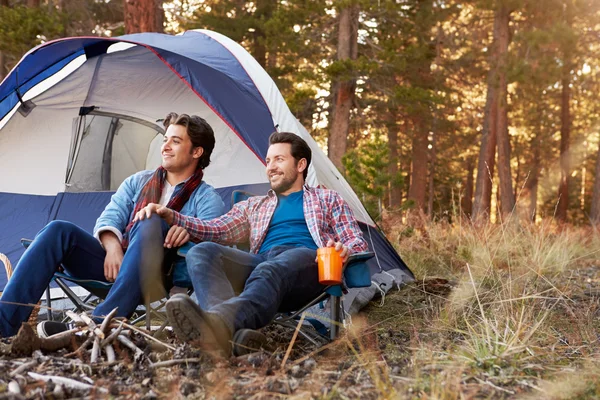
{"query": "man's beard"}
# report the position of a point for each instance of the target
(284, 185)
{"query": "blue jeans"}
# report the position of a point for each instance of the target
(82, 256)
(247, 290)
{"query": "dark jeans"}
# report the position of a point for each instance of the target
(247, 290)
(82, 256)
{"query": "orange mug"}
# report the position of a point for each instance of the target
(330, 266)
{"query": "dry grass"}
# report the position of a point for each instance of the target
(518, 316)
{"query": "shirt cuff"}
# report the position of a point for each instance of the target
(110, 229)
(178, 219)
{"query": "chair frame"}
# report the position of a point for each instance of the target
(95, 288)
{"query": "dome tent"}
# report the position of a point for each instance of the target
(79, 115)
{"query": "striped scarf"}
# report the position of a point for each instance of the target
(152, 191)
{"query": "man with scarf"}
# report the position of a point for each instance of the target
(128, 253)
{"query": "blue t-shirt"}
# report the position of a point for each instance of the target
(288, 225)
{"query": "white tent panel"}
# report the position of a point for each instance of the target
(37, 163)
(107, 82)
(161, 90)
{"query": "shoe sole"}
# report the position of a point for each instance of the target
(246, 341)
(189, 324)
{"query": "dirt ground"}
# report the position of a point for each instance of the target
(373, 359)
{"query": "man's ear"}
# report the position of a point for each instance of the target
(198, 151)
(301, 165)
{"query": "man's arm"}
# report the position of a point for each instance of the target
(114, 255)
(115, 216)
(346, 227)
(228, 229)
(207, 205)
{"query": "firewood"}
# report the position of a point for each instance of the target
(70, 383)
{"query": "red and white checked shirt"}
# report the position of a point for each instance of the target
(327, 216)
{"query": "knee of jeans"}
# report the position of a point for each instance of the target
(58, 227)
(266, 271)
(201, 251)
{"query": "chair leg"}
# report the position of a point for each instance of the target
(50, 317)
(335, 317)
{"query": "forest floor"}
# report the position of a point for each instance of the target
(496, 312)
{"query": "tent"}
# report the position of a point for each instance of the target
(78, 115)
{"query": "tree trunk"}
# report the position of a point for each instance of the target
(418, 170)
(565, 132)
(534, 176)
(487, 160)
(143, 16)
(33, 3)
(432, 162)
(343, 92)
(495, 126)
(4, 3)
(595, 208)
(395, 190)
(466, 202)
(2, 68)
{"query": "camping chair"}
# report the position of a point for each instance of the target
(356, 274)
(98, 289)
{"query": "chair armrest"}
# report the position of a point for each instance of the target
(356, 270)
(356, 257)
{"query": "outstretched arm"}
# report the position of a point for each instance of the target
(227, 229)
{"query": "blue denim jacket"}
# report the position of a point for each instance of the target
(204, 203)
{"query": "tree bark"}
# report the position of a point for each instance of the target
(4, 3)
(395, 190)
(33, 3)
(565, 133)
(534, 176)
(487, 158)
(495, 126)
(2, 68)
(466, 202)
(595, 208)
(418, 174)
(343, 92)
(143, 16)
(431, 175)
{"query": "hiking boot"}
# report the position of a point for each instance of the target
(49, 328)
(246, 341)
(203, 329)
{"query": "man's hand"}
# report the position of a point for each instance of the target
(340, 248)
(112, 264)
(114, 255)
(152, 208)
(176, 237)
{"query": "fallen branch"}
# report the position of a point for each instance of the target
(170, 363)
(90, 322)
(107, 320)
(95, 350)
(23, 367)
(289, 349)
(129, 344)
(110, 353)
(70, 383)
(149, 336)
(110, 338)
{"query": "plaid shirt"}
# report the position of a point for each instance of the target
(327, 215)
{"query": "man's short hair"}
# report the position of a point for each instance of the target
(300, 148)
(200, 132)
